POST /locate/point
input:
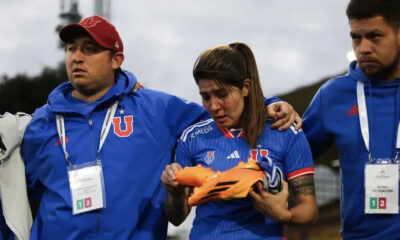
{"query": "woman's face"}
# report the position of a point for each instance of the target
(225, 105)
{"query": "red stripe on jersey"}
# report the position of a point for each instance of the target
(229, 134)
(300, 172)
(225, 131)
(240, 134)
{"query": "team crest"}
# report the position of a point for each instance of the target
(210, 156)
(127, 124)
(258, 154)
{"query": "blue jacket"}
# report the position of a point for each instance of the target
(139, 145)
(332, 117)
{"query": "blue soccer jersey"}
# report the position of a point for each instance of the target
(211, 145)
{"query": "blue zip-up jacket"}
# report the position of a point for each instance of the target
(333, 117)
(139, 145)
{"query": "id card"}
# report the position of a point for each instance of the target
(382, 188)
(87, 188)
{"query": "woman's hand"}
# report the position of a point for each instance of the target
(169, 181)
(273, 206)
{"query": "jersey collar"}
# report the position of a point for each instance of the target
(231, 133)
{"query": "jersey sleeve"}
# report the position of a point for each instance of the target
(270, 100)
(298, 160)
(182, 154)
(314, 126)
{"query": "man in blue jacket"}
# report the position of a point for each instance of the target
(360, 113)
(95, 152)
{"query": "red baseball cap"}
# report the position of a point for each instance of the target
(101, 30)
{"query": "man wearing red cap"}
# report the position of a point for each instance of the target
(95, 152)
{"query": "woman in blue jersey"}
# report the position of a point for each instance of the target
(228, 82)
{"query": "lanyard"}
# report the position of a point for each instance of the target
(103, 135)
(362, 111)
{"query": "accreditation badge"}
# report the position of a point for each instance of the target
(382, 188)
(87, 187)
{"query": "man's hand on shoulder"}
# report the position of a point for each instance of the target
(284, 115)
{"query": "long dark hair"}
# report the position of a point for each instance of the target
(230, 65)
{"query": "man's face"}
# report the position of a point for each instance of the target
(90, 67)
(376, 45)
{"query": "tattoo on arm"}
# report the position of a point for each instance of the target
(303, 185)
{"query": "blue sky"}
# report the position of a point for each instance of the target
(296, 42)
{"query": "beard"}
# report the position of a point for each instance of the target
(380, 71)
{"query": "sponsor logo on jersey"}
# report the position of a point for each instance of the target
(293, 128)
(210, 156)
(202, 130)
(127, 123)
(233, 155)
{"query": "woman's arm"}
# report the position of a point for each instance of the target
(274, 206)
(305, 208)
(176, 206)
